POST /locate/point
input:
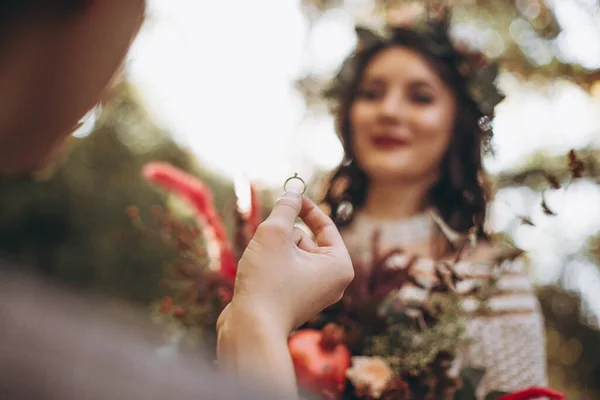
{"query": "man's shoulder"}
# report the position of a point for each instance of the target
(88, 350)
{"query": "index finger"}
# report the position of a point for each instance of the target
(326, 233)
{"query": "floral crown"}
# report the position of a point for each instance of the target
(432, 25)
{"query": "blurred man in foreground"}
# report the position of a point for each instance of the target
(57, 61)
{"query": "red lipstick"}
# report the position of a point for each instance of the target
(389, 143)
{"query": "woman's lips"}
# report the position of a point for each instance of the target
(389, 143)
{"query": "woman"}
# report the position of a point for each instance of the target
(413, 116)
(57, 61)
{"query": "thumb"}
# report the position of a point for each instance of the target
(286, 210)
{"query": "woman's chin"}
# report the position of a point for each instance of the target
(390, 168)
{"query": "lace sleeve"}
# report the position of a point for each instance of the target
(507, 333)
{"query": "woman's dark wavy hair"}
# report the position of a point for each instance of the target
(461, 195)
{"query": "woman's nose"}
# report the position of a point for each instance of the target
(391, 107)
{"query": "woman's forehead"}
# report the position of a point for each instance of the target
(400, 64)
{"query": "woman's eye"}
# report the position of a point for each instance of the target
(422, 98)
(370, 94)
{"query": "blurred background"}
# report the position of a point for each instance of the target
(222, 89)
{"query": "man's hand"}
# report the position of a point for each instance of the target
(283, 279)
(284, 275)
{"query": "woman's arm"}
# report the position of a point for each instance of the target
(507, 333)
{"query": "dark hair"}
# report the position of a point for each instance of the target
(461, 194)
(12, 11)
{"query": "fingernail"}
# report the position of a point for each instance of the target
(291, 195)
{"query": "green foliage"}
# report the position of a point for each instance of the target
(534, 170)
(471, 377)
(500, 16)
(572, 344)
(74, 225)
(407, 348)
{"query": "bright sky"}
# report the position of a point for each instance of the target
(218, 75)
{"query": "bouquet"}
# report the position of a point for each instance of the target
(378, 342)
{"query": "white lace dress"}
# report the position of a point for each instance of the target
(507, 340)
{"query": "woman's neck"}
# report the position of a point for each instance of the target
(391, 200)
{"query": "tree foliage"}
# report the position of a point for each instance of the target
(74, 226)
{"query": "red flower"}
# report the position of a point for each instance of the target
(179, 312)
(166, 304)
(320, 360)
(533, 393)
(225, 294)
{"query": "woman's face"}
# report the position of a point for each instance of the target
(402, 119)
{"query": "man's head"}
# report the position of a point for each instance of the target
(57, 58)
